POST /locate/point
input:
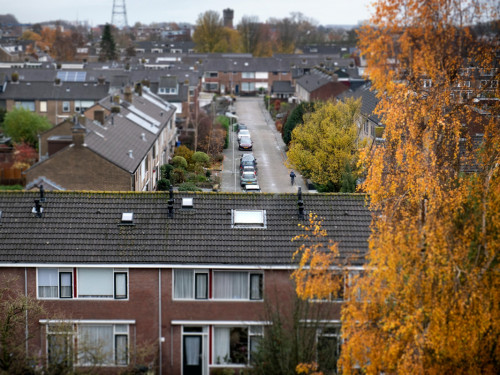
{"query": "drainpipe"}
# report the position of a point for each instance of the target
(26, 312)
(160, 338)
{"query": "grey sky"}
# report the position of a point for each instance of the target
(95, 12)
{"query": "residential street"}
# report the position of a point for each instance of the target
(268, 148)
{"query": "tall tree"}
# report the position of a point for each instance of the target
(209, 32)
(22, 125)
(429, 302)
(108, 45)
(249, 29)
(326, 142)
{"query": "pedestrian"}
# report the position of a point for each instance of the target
(292, 177)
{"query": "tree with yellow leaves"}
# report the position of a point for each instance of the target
(429, 301)
(325, 145)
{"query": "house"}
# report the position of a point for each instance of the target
(282, 90)
(190, 273)
(54, 100)
(119, 146)
(318, 85)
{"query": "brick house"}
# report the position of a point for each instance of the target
(119, 147)
(318, 85)
(191, 273)
(55, 101)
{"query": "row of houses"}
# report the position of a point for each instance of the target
(190, 275)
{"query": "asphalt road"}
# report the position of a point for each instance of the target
(268, 148)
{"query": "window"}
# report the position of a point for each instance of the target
(247, 86)
(237, 285)
(328, 348)
(27, 104)
(211, 74)
(234, 345)
(55, 283)
(82, 105)
(248, 75)
(427, 83)
(249, 218)
(43, 106)
(65, 106)
(95, 344)
(190, 284)
(90, 283)
(210, 86)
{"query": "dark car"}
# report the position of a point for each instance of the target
(248, 159)
(245, 143)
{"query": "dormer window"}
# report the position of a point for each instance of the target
(248, 218)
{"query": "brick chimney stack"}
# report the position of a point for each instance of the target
(78, 133)
(127, 94)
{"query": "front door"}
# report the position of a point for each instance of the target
(192, 361)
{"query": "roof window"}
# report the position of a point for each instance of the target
(127, 218)
(248, 218)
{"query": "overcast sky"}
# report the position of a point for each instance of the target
(95, 12)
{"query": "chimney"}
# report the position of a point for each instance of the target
(171, 203)
(138, 88)
(300, 204)
(78, 133)
(42, 193)
(99, 116)
(127, 95)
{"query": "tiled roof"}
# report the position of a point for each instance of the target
(43, 90)
(84, 228)
(283, 87)
(368, 101)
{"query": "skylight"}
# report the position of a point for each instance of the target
(187, 203)
(127, 218)
(249, 218)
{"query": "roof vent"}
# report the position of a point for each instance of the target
(38, 209)
(143, 136)
(300, 204)
(187, 203)
(130, 154)
(127, 218)
(42, 194)
(171, 203)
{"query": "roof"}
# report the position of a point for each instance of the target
(368, 101)
(84, 228)
(43, 90)
(283, 87)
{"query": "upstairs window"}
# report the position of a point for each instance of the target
(190, 284)
(230, 285)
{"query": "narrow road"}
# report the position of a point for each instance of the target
(268, 148)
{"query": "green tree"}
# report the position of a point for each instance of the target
(209, 32)
(295, 118)
(326, 142)
(108, 45)
(22, 125)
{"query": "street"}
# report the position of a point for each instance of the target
(268, 149)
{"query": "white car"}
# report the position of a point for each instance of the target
(243, 133)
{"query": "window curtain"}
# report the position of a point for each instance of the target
(95, 344)
(192, 347)
(120, 285)
(230, 285)
(255, 289)
(201, 286)
(183, 283)
(66, 285)
(121, 349)
(95, 283)
(47, 282)
(221, 345)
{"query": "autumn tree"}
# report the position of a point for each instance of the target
(295, 118)
(14, 310)
(250, 31)
(108, 45)
(326, 143)
(209, 32)
(429, 300)
(22, 125)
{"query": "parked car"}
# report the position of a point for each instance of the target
(252, 188)
(245, 143)
(240, 126)
(243, 133)
(248, 159)
(248, 178)
(248, 168)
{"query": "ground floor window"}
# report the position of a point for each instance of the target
(328, 348)
(87, 344)
(234, 345)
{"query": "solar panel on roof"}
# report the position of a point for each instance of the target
(68, 76)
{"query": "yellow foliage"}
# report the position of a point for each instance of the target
(327, 141)
(430, 299)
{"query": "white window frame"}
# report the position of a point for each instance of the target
(66, 106)
(253, 331)
(194, 275)
(116, 272)
(248, 287)
(43, 106)
(73, 333)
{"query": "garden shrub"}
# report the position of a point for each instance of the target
(188, 186)
(184, 151)
(179, 162)
(178, 176)
(163, 184)
(166, 170)
(201, 158)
